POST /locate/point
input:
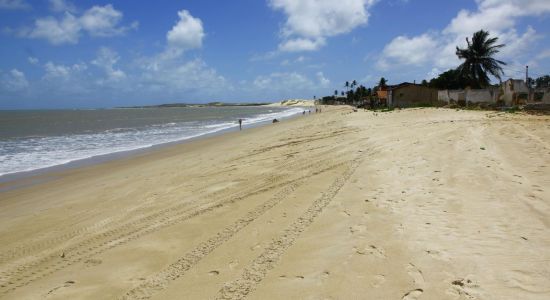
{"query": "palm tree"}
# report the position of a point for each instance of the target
(382, 83)
(478, 60)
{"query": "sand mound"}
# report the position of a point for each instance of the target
(294, 102)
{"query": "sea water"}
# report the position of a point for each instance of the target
(37, 139)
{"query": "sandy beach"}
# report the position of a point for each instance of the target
(408, 204)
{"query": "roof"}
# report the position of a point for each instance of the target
(405, 84)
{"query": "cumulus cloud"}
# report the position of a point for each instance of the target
(415, 50)
(290, 82)
(437, 49)
(63, 72)
(98, 21)
(32, 60)
(301, 44)
(495, 15)
(13, 81)
(62, 6)
(183, 79)
(323, 81)
(188, 33)
(63, 31)
(170, 73)
(106, 60)
(14, 4)
(310, 22)
(104, 21)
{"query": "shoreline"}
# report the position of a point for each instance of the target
(430, 203)
(16, 179)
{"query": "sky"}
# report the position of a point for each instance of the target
(97, 54)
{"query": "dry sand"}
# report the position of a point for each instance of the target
(410, 204)
(294, 102)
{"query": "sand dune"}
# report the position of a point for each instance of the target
(410, 204)
(294, 102)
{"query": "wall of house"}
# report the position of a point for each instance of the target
(473, 96)
(541, 95)
(413, 95)
(511, 92)
(482, 95)
(515, 92)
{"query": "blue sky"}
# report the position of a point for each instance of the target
(89, 54)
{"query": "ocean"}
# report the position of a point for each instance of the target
(36, 139)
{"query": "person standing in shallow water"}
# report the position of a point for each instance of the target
(240, 124)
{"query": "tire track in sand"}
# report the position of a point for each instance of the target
(23, 275)
(46, 243)
(177, 269)
(257, 270)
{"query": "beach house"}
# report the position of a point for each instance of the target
(408, 94)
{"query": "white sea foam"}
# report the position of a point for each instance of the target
(37, 152)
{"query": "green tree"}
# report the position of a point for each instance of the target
(543, 81)
(382, 83)
(449, 80)
(478, 59)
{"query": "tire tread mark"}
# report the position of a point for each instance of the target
(258, 269)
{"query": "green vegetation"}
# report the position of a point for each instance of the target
(478, 63)
(543, 81)
(513, 109)
(478, 59)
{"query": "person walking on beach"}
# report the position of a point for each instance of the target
(240, 124)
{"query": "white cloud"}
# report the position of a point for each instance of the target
(62, 72)
(104, 21)
(411, 51)
(64, 31)
(182, 79)
(300, 44)
(13, 81)
(323, 81)
(106, 60)
(310, 22)
(14, 4)
(188, 33)
(437, 49)
(62, 6)
(98, 21)
(496, 15)
(544, 54)
(290, 82)
(169, 73)
(32, 60)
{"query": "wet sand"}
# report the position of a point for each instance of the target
(410, 204)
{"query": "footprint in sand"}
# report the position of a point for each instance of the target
(65, 285)
(413, 295)
(345, 213)
(357, 229)
(418, 280)
(416, 275)
(464, 287)
(92, 262)
(378, 280)
(214, 273)
(233, 265)
(371, 250)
